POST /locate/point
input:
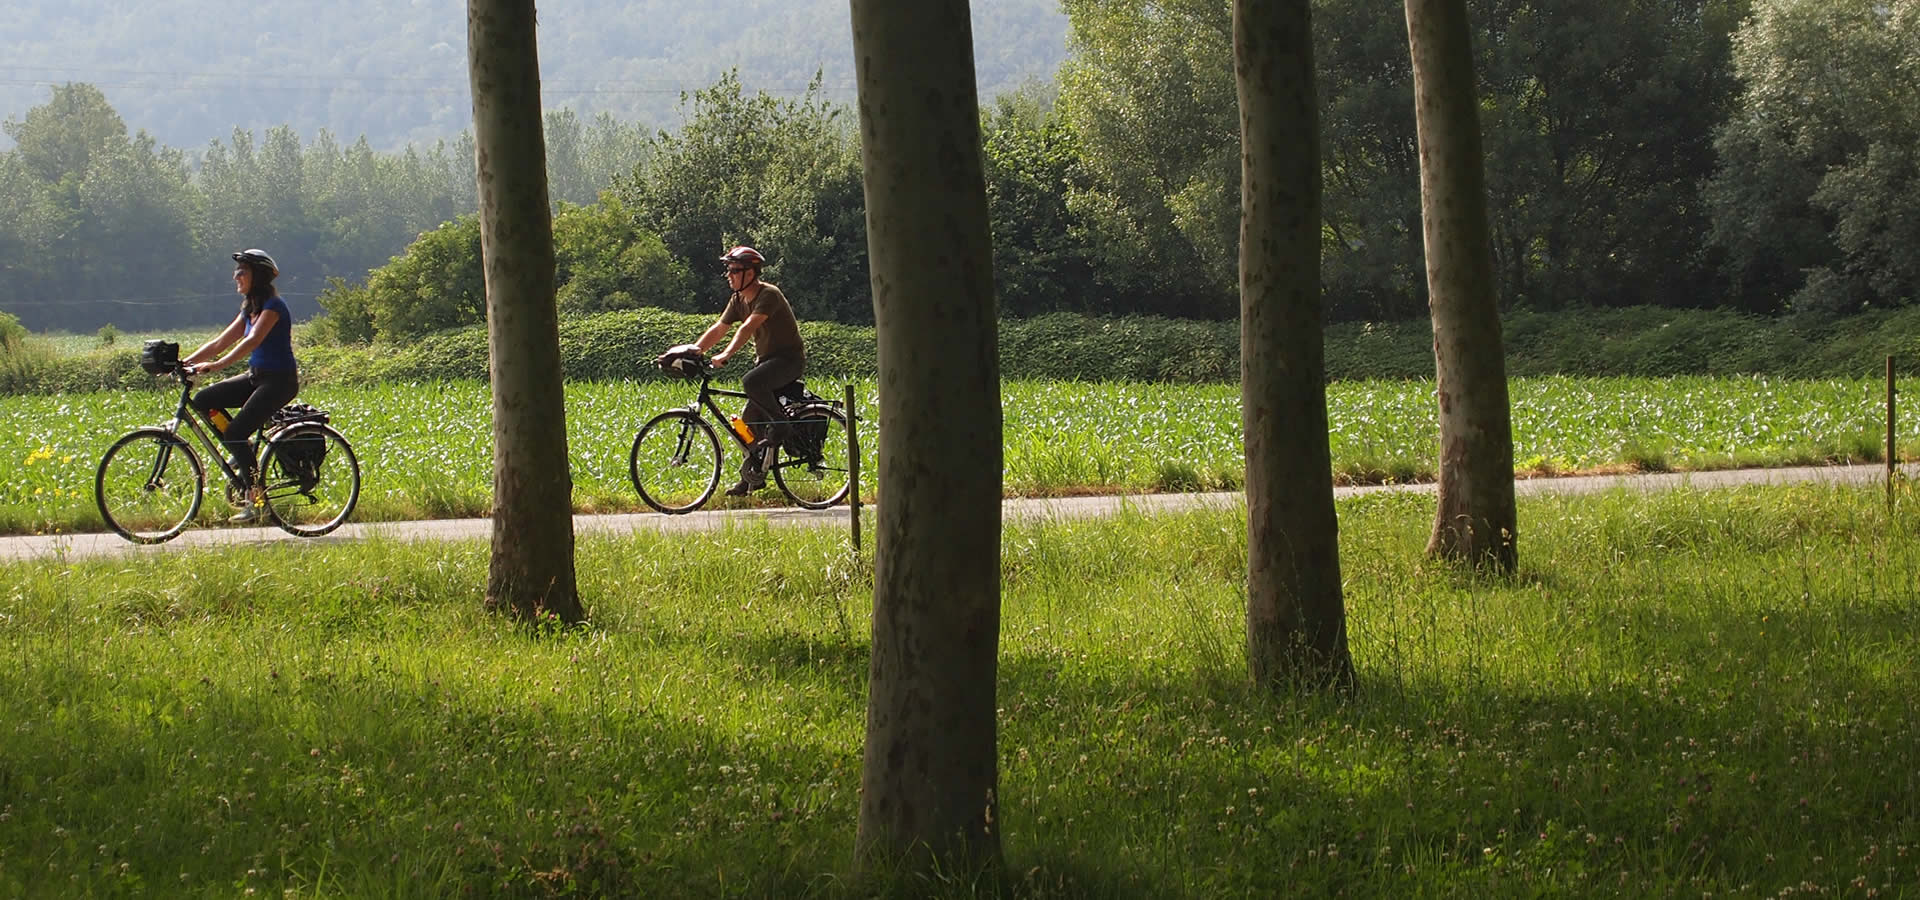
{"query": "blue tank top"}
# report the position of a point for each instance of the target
(275, 354)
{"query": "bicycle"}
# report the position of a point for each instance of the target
(676, 459)
(151, 481)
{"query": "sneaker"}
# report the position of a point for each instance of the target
(252, 509)
(748, 483)
(752, 476)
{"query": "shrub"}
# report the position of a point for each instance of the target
(437, 284)
(603, 262)
(347, 313)
(23, 358)
(780, 174)
(12, 334)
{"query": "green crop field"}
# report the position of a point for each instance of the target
(425, 448)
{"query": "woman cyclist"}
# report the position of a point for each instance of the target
(263, 334)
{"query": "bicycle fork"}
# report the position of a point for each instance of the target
(157, 480)
(684, 448)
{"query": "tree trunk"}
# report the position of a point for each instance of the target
(1296, 615)
(928, 786)
(531, 572)
(1476, 520)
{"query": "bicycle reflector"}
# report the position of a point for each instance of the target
(159, 357)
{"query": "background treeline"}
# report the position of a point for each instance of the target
(1748, 155)
(1638, 341)
(100, 227)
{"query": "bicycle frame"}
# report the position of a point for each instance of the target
(202, 428)
(706, 400)
(807, 468)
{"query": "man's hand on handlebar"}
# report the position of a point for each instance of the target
(675, 350)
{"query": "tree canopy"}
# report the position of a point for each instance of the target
(1750, 154)
(1818, 187)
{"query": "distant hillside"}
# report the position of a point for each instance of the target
(190, 71)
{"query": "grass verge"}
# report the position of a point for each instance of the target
(1679, 694)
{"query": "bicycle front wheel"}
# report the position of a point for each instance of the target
(675, 463)
(812, 466)
(312, 479)
(149, 486)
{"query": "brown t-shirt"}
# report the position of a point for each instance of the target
(779, 335)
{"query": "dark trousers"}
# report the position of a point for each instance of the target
(764, 413)
(257, 395)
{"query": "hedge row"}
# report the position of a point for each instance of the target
(1645, 341)
(623, 344)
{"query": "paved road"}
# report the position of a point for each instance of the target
(86, 545)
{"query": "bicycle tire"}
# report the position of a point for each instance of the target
(310, 501)
(822, 481)
(675, 462)
(138, 486)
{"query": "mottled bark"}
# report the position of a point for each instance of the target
(532, 564)
(928, 786)
(1475, 521)
(1296, 614)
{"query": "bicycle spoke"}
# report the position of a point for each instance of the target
(817, 475)
(313, 479)
(148, 486)
(675, 462)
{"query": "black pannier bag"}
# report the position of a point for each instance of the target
(808, 438)
(300, 456)
(159, 357)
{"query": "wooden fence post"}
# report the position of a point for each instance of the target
(853, 468)
(1892, 466)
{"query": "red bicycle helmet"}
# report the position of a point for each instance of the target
(744, 255)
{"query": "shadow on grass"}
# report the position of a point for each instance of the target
(1688, 742)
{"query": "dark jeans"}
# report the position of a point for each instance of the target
(764, 413)
(257, 394)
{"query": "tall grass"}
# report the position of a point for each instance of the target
(425, 449)
(1684, 694)
(22, 355)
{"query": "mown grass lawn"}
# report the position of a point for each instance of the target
(1685, 694)
(425, 450)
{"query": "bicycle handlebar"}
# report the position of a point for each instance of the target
(672, 364)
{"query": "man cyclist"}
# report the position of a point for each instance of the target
(764, 317)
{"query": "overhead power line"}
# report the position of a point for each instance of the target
(396, 85)
(176, 300)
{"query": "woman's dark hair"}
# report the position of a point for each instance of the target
(259, 289)
(261, 286)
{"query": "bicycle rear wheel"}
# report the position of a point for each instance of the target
(812, 467)
(311, 477)
(675, 463)
(149, 485)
